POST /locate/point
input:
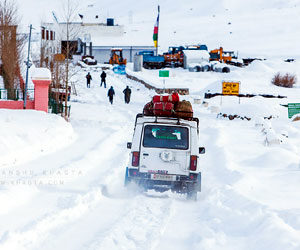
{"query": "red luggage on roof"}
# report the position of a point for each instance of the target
(148, 109)
(163, 108)
(169, 106)
(166, 98)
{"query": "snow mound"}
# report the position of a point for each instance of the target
(259, 66)
(26, 135)
(256, 107)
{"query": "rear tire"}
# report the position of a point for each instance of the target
(146, 66)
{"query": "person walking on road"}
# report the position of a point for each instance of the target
(103, 76)
(127, 93)
(88, 80)
(111, 94)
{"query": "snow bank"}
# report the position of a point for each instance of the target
(256, 107)
(25, 135)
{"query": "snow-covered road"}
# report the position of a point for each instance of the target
(249, 199)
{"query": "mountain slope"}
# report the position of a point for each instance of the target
(254, 28)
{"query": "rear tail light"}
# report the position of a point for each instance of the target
(193, 163)
(135, 158)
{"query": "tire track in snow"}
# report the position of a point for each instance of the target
(214, 163)
(139, 228)
(223, 218)
(43, 226)
(38, 233)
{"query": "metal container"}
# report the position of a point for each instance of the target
(137, 63)
(110, 22)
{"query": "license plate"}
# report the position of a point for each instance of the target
(163, 177)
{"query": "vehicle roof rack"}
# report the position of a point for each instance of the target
(139, 115)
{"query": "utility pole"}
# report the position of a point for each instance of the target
(28, 64)
(67, 66)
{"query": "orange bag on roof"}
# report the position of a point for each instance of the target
(184, 109)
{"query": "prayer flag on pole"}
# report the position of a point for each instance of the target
(155, 32)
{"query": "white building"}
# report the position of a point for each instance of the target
(91, 35)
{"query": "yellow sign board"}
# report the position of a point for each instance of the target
(59, 57)
(230, 88)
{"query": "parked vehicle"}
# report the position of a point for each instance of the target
(89, 60)
(150, 61)
(174, 57)
(197, 47)
(227, 57)
(116, 57)
(164, 149)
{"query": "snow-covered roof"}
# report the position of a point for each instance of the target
(131, 36)
(194, 54)
(120, 41)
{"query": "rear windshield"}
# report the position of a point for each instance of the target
(159, 136)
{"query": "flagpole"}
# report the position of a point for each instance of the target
(157, 30)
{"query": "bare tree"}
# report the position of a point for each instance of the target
(56, 54)
(67, 32)
(10, 46)
(69, 12)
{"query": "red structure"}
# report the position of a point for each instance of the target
(16, 104)
(41, 80)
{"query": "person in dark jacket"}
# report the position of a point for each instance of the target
(127, 93)
(103, 76)
(111, 94)
(88, 80)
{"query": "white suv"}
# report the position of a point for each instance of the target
(164, 155)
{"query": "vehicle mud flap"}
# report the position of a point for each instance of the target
(127, 178)
(198, 185)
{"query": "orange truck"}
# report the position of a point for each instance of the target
(174, 57)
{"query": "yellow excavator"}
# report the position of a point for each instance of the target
(220, 55)
(224, 56)
(116, 57)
